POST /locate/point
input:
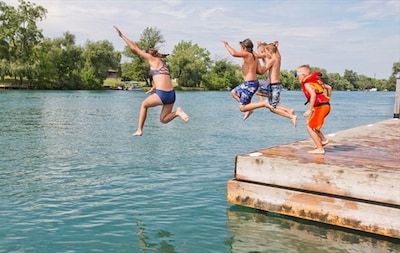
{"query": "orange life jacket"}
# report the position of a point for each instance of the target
(318, 85)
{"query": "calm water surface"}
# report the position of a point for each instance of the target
(73, 179)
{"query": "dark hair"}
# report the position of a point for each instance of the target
(248, 44)
(154, 52)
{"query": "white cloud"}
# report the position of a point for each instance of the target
(209, 13)
(377, 9)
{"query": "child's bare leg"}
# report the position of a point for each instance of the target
(283, 111)
(290, 111)
(247, 115)
(167, 114)
(142, 117)
(150, 101)
(294, 120)
(260, 99)
(253, 106)
(235, 96)
(315, 138)
(324, 140)
(260, 96)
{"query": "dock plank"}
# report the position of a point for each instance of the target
(366, 217)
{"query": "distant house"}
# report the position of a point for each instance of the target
(112, 73)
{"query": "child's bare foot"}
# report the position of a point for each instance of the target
(291, 111)
(323, 143)
(247, 115)
(182, 114)
(137, 133)
(317, 151)
(294, 121)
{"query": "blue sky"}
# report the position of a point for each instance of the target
(359, 35)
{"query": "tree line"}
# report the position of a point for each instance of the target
(26, 56)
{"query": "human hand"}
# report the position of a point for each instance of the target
(118, 31)
(307, 113)
(151, 90)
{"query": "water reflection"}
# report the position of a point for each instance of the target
(160, 243)
(256, 232)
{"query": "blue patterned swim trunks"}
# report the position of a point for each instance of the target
(246, 90)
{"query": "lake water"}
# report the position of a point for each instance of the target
(73, 179)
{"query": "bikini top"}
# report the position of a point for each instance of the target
(161, 71)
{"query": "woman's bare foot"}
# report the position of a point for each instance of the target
(247, 115)
(294, 121)
(182, 114)
(137, 133)
(317, 151)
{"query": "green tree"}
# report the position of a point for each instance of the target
(58, 63)
(352, 78)
(97, 58)
(335, 81)
(391, 83)
(222, 76)
(189, 64)
(381, 85)
(365, 83)
(289, 81)
(44, 70)
(20, 34)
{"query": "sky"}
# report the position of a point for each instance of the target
(336, 35)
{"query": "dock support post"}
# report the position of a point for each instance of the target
(396, 113)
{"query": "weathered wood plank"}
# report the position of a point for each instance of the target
(362, 162)
(382, 220)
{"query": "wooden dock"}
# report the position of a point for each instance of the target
(355, 185)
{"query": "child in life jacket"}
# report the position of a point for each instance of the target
(318, 105)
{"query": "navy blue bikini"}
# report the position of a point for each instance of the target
(167, 97)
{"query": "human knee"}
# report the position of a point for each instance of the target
(163, 120)
(145, 105)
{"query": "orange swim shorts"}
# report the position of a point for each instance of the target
(317, 118)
